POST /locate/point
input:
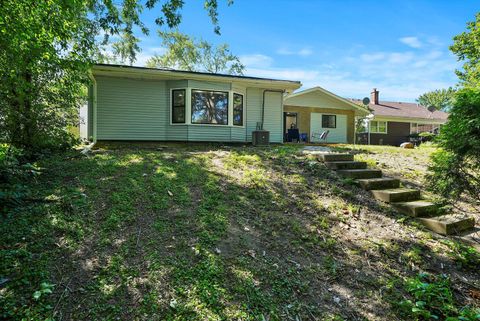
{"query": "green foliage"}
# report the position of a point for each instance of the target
(441, 99)
(14, 177)
(455, 168)
(186, 53)
(431, 298)
(45, 288)
(467, 47)
(466, 256)
(47, 50)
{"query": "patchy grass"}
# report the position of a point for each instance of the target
(212, 233)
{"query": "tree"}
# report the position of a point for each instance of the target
(467, 47)
(187, 53)
(456, 167)
(46, 50)
(441, 99)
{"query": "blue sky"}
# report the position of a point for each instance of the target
(348, 47)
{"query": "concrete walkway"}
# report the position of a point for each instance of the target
(316, 150)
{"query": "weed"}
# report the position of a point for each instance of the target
(430, 297)
(466, 256)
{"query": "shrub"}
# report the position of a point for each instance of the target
(455, 167)
(431, 298)
(13, 175)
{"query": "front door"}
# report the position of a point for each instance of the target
(290, 121)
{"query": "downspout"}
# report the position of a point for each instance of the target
(263, 103)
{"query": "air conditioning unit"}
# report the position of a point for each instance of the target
(260, 137)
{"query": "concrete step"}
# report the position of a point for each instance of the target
(417, 208)
(396, 195)
(360, 173)
(346, 165)
(448, 224)
(378, 183)
(335, 157)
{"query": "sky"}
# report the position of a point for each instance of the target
(345, 46)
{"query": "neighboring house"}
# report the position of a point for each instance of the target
(145, 104)
(316, 110)
(394, 122)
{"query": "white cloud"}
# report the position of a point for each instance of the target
(283, 73)
(256, 60)
(371, 57)
(147, 53)
(304, 52)
(413, 42)
(400, 76)
(400, 57)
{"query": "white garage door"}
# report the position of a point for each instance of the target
(335, 135)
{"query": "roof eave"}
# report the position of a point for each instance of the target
(409, 119)
(140, 72)
(359, 110)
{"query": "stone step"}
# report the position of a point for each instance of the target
(396, 194)
(335, 157)
(346, 165)
(417, 208)
(360, 173)
(448, 224)
(378, 183)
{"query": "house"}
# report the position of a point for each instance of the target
(395, 122)
(316, 110)
(145, 104)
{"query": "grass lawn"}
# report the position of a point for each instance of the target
(209, 232)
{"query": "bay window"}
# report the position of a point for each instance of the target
(178, 106)
(237, 109)
(209, 107)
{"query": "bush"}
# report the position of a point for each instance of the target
(431, 298)
(455, 167)
(14, 173)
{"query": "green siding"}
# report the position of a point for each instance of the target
(254, 110)
(139, 109)
(209, 133)
(209, 85)
(129, 109)
(238, 134)
(273, 116)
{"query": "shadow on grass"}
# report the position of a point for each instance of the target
(183, 234)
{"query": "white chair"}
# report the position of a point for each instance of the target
(322, 137)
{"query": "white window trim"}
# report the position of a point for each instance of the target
(243, 109)
(170, 104)
(188, 107)
(434, 125)
(378, 132)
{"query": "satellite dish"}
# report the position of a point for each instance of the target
(366, 101)
(431, 109)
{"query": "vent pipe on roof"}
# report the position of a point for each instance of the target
(374, 96)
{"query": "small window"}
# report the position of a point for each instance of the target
(178, 106)
(209, 107)
(329, 121)
(238, 110)
(379, 127)
(413, 128)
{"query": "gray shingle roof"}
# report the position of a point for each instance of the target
(404, 110)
